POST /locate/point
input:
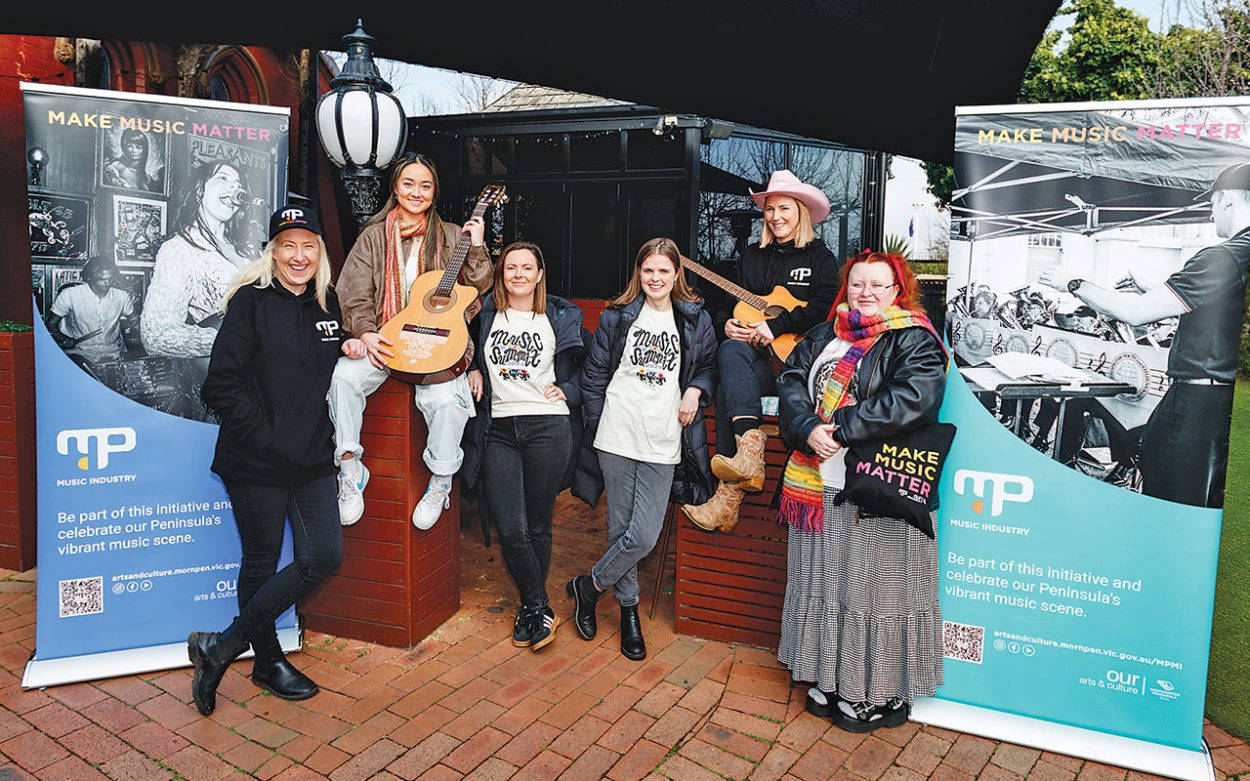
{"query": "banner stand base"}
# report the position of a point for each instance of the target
(1063, 739)
(132, 661)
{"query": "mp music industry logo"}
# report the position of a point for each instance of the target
(996, 487)
(102, 442)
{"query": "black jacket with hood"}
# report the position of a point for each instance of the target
(693, 482)
(566, 321)
(809, 274)
(267, 379)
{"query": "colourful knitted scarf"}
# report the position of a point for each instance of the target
(393, 294)
(802, 491)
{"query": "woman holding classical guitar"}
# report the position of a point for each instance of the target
(794, 270)
(650, 368)
(519, 445)
(399, 243)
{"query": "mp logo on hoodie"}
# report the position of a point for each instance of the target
(329, 329)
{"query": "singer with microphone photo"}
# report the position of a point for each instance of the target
(194, 268)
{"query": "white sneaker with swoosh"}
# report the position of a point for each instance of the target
(352, 494)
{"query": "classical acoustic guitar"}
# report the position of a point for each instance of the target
(752, 309)
(430, 336)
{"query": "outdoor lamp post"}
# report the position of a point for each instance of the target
(361, 124)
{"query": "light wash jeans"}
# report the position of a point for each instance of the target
(446, 406)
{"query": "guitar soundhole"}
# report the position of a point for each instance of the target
(437, 302)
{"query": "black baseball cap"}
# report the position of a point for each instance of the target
(1235, 177)
(291, 216)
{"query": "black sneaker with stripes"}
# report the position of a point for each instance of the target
(544, 627)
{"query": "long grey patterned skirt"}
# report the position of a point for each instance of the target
(861, 616)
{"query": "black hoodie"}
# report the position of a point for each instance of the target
(810, 274)
(268, 380)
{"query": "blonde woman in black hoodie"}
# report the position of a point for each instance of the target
(268, 378)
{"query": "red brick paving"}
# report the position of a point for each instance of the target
(465, 704)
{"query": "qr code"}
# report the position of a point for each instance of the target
(81, 597)
(963, 641)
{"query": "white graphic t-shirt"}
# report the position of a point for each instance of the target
(832, 469)
(520, 356)
(640, 407)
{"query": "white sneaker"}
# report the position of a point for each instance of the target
(352, 494)
(431, 506)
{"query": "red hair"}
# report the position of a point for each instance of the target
(909, 296)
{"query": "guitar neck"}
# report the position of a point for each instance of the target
(452, 272)
(737, 291)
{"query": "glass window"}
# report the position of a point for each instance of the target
(597, 151)
(741, 162)
(541, 212)
(647, 150)
(540, 154)
(485, 156)
(840, 176)
(595, 266)
(726, 223)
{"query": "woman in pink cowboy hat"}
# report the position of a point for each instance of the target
(788, 255)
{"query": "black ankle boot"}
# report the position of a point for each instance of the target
(210, 654)
(276, 675)
(632, 645)
(585, 595)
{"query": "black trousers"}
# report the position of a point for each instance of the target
(261, 512)
(1184, 450)
(522, 465)
(744, 378)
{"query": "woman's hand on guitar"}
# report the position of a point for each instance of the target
(476, 228)
(735, 329)
(553, 393)
(761, 335)
(354, 348)
(689, 406)
(475, 384)
(376, 345)
(821, 441)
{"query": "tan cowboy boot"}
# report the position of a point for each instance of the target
(718, 513)
(747, 466)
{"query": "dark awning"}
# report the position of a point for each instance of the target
(873, 74)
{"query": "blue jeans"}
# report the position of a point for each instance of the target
(261, 512)
(522, 465)
(744, 378)
(637, 500)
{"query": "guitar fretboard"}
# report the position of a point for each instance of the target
(737, 291)
(450, 274)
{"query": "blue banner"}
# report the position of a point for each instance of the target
(1097, 271)
(143, 213)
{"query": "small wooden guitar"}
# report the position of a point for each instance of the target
(752, 309)
(430, 336)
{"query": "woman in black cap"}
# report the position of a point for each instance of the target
(275, 449)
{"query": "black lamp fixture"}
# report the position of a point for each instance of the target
(361, 124)
(38, 159)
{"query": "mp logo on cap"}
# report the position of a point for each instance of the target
(290, 215)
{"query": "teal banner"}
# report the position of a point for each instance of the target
(1097, 272)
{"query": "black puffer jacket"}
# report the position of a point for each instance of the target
(809, 274)
(566, 322)
(900, 383)
(693, 482)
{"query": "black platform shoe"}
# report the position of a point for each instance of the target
(585, 597)
(210, 654)
(277, 676)
(866, 717)
(632, 645)
(817, 708)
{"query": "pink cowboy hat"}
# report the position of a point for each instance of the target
(785, 183)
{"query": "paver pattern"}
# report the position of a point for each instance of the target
(466, 704)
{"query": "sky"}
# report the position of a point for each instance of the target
(906, 200)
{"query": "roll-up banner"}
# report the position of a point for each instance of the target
(142, 210)
(1097, 271)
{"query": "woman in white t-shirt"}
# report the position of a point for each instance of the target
(519, 444)
(650, 368)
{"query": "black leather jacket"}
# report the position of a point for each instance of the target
(899, 385)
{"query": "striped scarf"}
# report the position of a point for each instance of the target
(393, 294)
(802, 490)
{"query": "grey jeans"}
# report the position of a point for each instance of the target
(637, 500)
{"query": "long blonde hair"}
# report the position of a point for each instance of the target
(657, 246)
(804, 234)
(259, 273)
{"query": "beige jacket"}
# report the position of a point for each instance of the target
(363, 277)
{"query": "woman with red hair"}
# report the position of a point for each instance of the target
(861, 618)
